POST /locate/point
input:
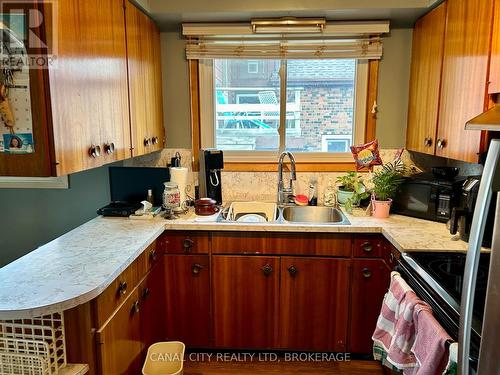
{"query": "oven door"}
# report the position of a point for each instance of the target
(444, 307)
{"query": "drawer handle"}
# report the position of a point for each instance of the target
(145, 293)
(152, 255)
(428, 142)
(292, 270)
(109, 148)
(196, 269)
(147, 142)
(188, 245)
(441, 143)
(267, 270)
(155, 140)
(366, 273)
(95, 151)
(367, 247)
(122, 288)
(135, 307)
(391, 257)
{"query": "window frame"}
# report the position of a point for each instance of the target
(201, 85)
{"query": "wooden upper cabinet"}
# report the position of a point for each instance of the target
(494, 80)
(314, 303)
(427, 60)
(144, 75)
(464, 78)
(88, 86)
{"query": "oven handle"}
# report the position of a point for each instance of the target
(473, 253)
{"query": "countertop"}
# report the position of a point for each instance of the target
(78, 266)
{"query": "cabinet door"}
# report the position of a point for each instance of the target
(370, 280)
(144, 75)
(494, 81)
(426, 63)
(245, 301)
(153, 317)
(88, 84)
(119, 341)
(465, 69)
(188, 299)
(314, 303)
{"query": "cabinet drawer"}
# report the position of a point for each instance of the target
(281, 243)
(148, 259)
(116, 293)
(188, 242)
(368, 246)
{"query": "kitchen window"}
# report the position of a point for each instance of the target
(258, 93)
(244, 114)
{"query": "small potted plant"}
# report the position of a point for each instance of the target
(351, 190)
(386, 183)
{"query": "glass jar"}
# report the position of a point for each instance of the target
(171, 196)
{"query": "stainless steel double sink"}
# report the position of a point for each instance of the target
(306, 215)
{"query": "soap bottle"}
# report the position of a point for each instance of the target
(329, 195)
(313, 192)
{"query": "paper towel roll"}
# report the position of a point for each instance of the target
(179, 175)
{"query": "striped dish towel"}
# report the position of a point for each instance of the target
(395, 331)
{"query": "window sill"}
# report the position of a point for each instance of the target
(300, 166)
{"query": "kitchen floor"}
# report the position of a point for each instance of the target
(282, 368)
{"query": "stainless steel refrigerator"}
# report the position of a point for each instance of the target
(489, 361)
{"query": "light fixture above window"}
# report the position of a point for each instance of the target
(288, 25)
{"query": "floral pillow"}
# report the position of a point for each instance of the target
(367, 155)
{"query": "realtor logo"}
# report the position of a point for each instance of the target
(28, 34)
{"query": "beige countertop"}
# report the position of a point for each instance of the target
(78, 266)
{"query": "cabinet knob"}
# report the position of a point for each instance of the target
(147, 142)
(135, 307)
(428, 142)
(122, 288)
(187, 244)
(441, 143)
(152, 255)
(146, 292)
(95, 151)
(267, 270)
(292, 270)
(109, 148)
(155, 140)
(196, 269)
(366, 273)
(367, 247)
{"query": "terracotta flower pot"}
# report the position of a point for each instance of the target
(381, 209)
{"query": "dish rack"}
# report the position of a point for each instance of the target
(32, 346)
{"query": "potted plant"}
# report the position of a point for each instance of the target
(386, 183)
(351, 190)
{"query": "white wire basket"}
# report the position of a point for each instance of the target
(32, 346)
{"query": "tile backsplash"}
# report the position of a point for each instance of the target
(248, 186)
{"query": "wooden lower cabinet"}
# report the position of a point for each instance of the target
(152, 307)
(119, 340)
(314, 303)
(245, 301)
(370, 281)
(187, 282)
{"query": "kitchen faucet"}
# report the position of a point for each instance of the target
(285, 194)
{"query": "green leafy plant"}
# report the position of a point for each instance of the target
(352, 182)
(387, 181)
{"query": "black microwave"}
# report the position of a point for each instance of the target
(426, 197)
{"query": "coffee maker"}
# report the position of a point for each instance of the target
(461, 216)
(211, 164)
